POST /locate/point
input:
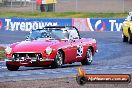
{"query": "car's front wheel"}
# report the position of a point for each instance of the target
(12, 67)
(58, 61)
(89, 58)
(125, 39)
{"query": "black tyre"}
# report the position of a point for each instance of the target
(89, 58)
(125, 39)
(12, 67)
(58, 61)
(130, 38)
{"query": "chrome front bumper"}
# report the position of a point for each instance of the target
(43, 60)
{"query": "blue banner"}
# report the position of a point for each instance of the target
(98, 24)
(107, 24)
(27, 24)
(83, 24)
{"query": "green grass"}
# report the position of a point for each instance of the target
(2, 53)
(62, 15)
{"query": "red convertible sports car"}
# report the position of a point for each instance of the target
(51, 46)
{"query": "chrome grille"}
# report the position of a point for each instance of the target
(27, 56)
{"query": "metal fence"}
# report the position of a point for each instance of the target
(70, 5)
(94, 5)
(18, 5)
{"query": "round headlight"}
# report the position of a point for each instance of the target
(8, 50)
(48, 50)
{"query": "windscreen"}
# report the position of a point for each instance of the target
(56, 34)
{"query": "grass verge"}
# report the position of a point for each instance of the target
(2, 53)
(62, 15)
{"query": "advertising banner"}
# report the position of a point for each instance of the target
(49, 1)
(83, 24)
(27, 24)
(98, 24)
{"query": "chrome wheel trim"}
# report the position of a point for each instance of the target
(59, 59)
(89, 56)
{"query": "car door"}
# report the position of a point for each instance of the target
(74, 51)
(81, 49)
(76, 48)
(78, 52)
(70, 51)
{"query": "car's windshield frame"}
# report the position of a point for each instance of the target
(54, 34)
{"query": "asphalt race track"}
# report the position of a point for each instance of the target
(114, 56)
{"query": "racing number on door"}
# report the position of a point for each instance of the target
(79, 51)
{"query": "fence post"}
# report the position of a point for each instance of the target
(123, 6)
(25, 2)
(32, 6)
(11, 3)
(76, 2)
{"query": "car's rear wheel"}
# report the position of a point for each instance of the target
(125, 39)
(89, 57)
(58, 61)
(12, 67)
